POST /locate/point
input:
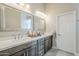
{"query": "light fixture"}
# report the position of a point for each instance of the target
(27, 6)
(21, 4)
(24, 5)
(40, 14)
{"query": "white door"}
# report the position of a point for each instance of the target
(66, 31)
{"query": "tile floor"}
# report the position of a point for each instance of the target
(57, 52)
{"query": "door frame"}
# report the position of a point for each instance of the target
(71, 11)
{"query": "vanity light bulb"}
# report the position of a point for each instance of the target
(21, 4)
(41, 14)
(27, 6)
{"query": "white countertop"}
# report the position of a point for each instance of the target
(6, 44)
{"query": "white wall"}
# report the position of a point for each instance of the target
(52, 10)
(37, 7)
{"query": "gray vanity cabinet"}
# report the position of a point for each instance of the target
(31, 50)
(40, 47)
(35, 48)
(48, 43)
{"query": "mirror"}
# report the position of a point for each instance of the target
(26, 21)
(15, 20)
(12, 19)
(39, 24)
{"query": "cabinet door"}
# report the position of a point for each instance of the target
(50, 42)
(46, 45)
(40, 44)
(31, 51)
(40, 48)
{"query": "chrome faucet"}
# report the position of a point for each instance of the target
(20, 36)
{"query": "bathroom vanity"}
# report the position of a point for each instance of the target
(36, 46)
